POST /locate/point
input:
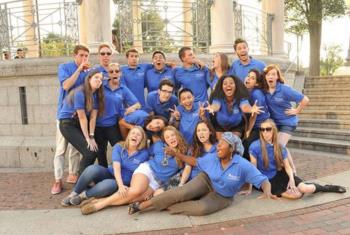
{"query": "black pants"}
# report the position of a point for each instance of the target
(254, 135)
(70, 129)
(103, 135)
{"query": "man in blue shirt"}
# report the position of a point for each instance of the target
(244, 63)
(159, 72)
(159, 102)
(70, 75)
(192, 76)
(104, 57)
(133, 75)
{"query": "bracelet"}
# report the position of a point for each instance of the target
(91, 136)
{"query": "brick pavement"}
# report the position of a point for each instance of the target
(32, 190)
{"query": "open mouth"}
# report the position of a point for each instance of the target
(133, 140)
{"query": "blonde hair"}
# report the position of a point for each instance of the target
(143, 142)
(181, 143)
(277, 150)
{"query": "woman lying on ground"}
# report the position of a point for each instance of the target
(224, 173)
(271, 159)
(126, 158)
(149, 176)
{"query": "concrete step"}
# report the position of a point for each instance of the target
(324, 123)
(324, 133)
(329, 79)
(328, 107)
(320, 144)
(322, 114)
(326, 84)
(329, 97)
(328, 91)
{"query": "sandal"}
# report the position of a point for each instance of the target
(334, 188)
(134, 207)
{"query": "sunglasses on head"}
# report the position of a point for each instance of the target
(116, 71)
(267, 129)
(105, 53)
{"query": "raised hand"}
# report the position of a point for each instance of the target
(256, 109)
(175, 113)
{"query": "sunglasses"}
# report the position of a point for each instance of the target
(116, 71)
(105, 53)
(267, 129)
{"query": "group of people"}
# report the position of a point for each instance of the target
(20, 54)
(197, 138)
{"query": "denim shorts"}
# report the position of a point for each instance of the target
(286, 129)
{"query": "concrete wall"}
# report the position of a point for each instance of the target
(33, 145)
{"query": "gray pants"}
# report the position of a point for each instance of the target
(197, 197)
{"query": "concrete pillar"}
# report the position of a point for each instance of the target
(276, 8)
(31, 40)
(222, 26)
(137, 25)
(96, 27)
(188, 28)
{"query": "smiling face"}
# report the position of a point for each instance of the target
(229, 87)
(155, 125)
(271, 78)
(250, 81)
(170, 138)
(158, 61)
(266, 131)
(96, 81)
(135, 137)
(203, 133)
(165, 93)
(186, 100)
(242, 51)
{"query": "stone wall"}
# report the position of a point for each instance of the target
(33, 144)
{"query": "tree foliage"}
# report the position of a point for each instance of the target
(332, 61)
(56, 45)
(306, 16)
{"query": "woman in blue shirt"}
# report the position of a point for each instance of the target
(278, 99)
(149, 176)
(126, 157)
(78, 117)
(271, 159)
(220, 67)
(214, 188)
(229, 102)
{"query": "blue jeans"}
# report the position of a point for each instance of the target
(105, 183)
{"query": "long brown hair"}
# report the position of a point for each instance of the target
(198, 149)
(181, 143)
(224, 64)
(86, 88)
(277, 149)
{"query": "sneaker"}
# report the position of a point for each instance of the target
(75, 200)
(72, 179)
(57, 187)
(66, 201)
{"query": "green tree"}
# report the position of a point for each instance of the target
(332, 60)
(56, 45)
(307, 16)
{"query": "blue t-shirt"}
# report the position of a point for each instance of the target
(227, 182)
(195, 169)
(113, 108)
(126, 96)
(188, 121)
(228, 119)
(161, 171)
(259, 96)
(69, 108)
(255, 151)
(134, 79)
(128, 164)
(162, 109)
(136, 118)
(195, 79)
(281, 100)
(64, 72)
(154, 77)
(241, 71)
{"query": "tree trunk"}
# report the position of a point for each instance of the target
(315, 30)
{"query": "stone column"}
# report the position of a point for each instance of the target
(276, 8)
(222, 26)
(31, 42)
(96, 27)
(188, 27)
(137, 25)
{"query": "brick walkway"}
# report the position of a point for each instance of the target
(32, 190)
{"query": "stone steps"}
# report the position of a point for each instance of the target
(316, 132)
(320, 144)
(324, 123)
(328, 107)
(323, 114)
(325, 85)
(329, 98)
(329, 91)
(327, 79)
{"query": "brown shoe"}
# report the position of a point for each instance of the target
(57, 187)
(72, 179)
(88, 209)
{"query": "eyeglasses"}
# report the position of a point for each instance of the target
(165, 91)
(105, 53)
(267, 129)
(116, 71)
